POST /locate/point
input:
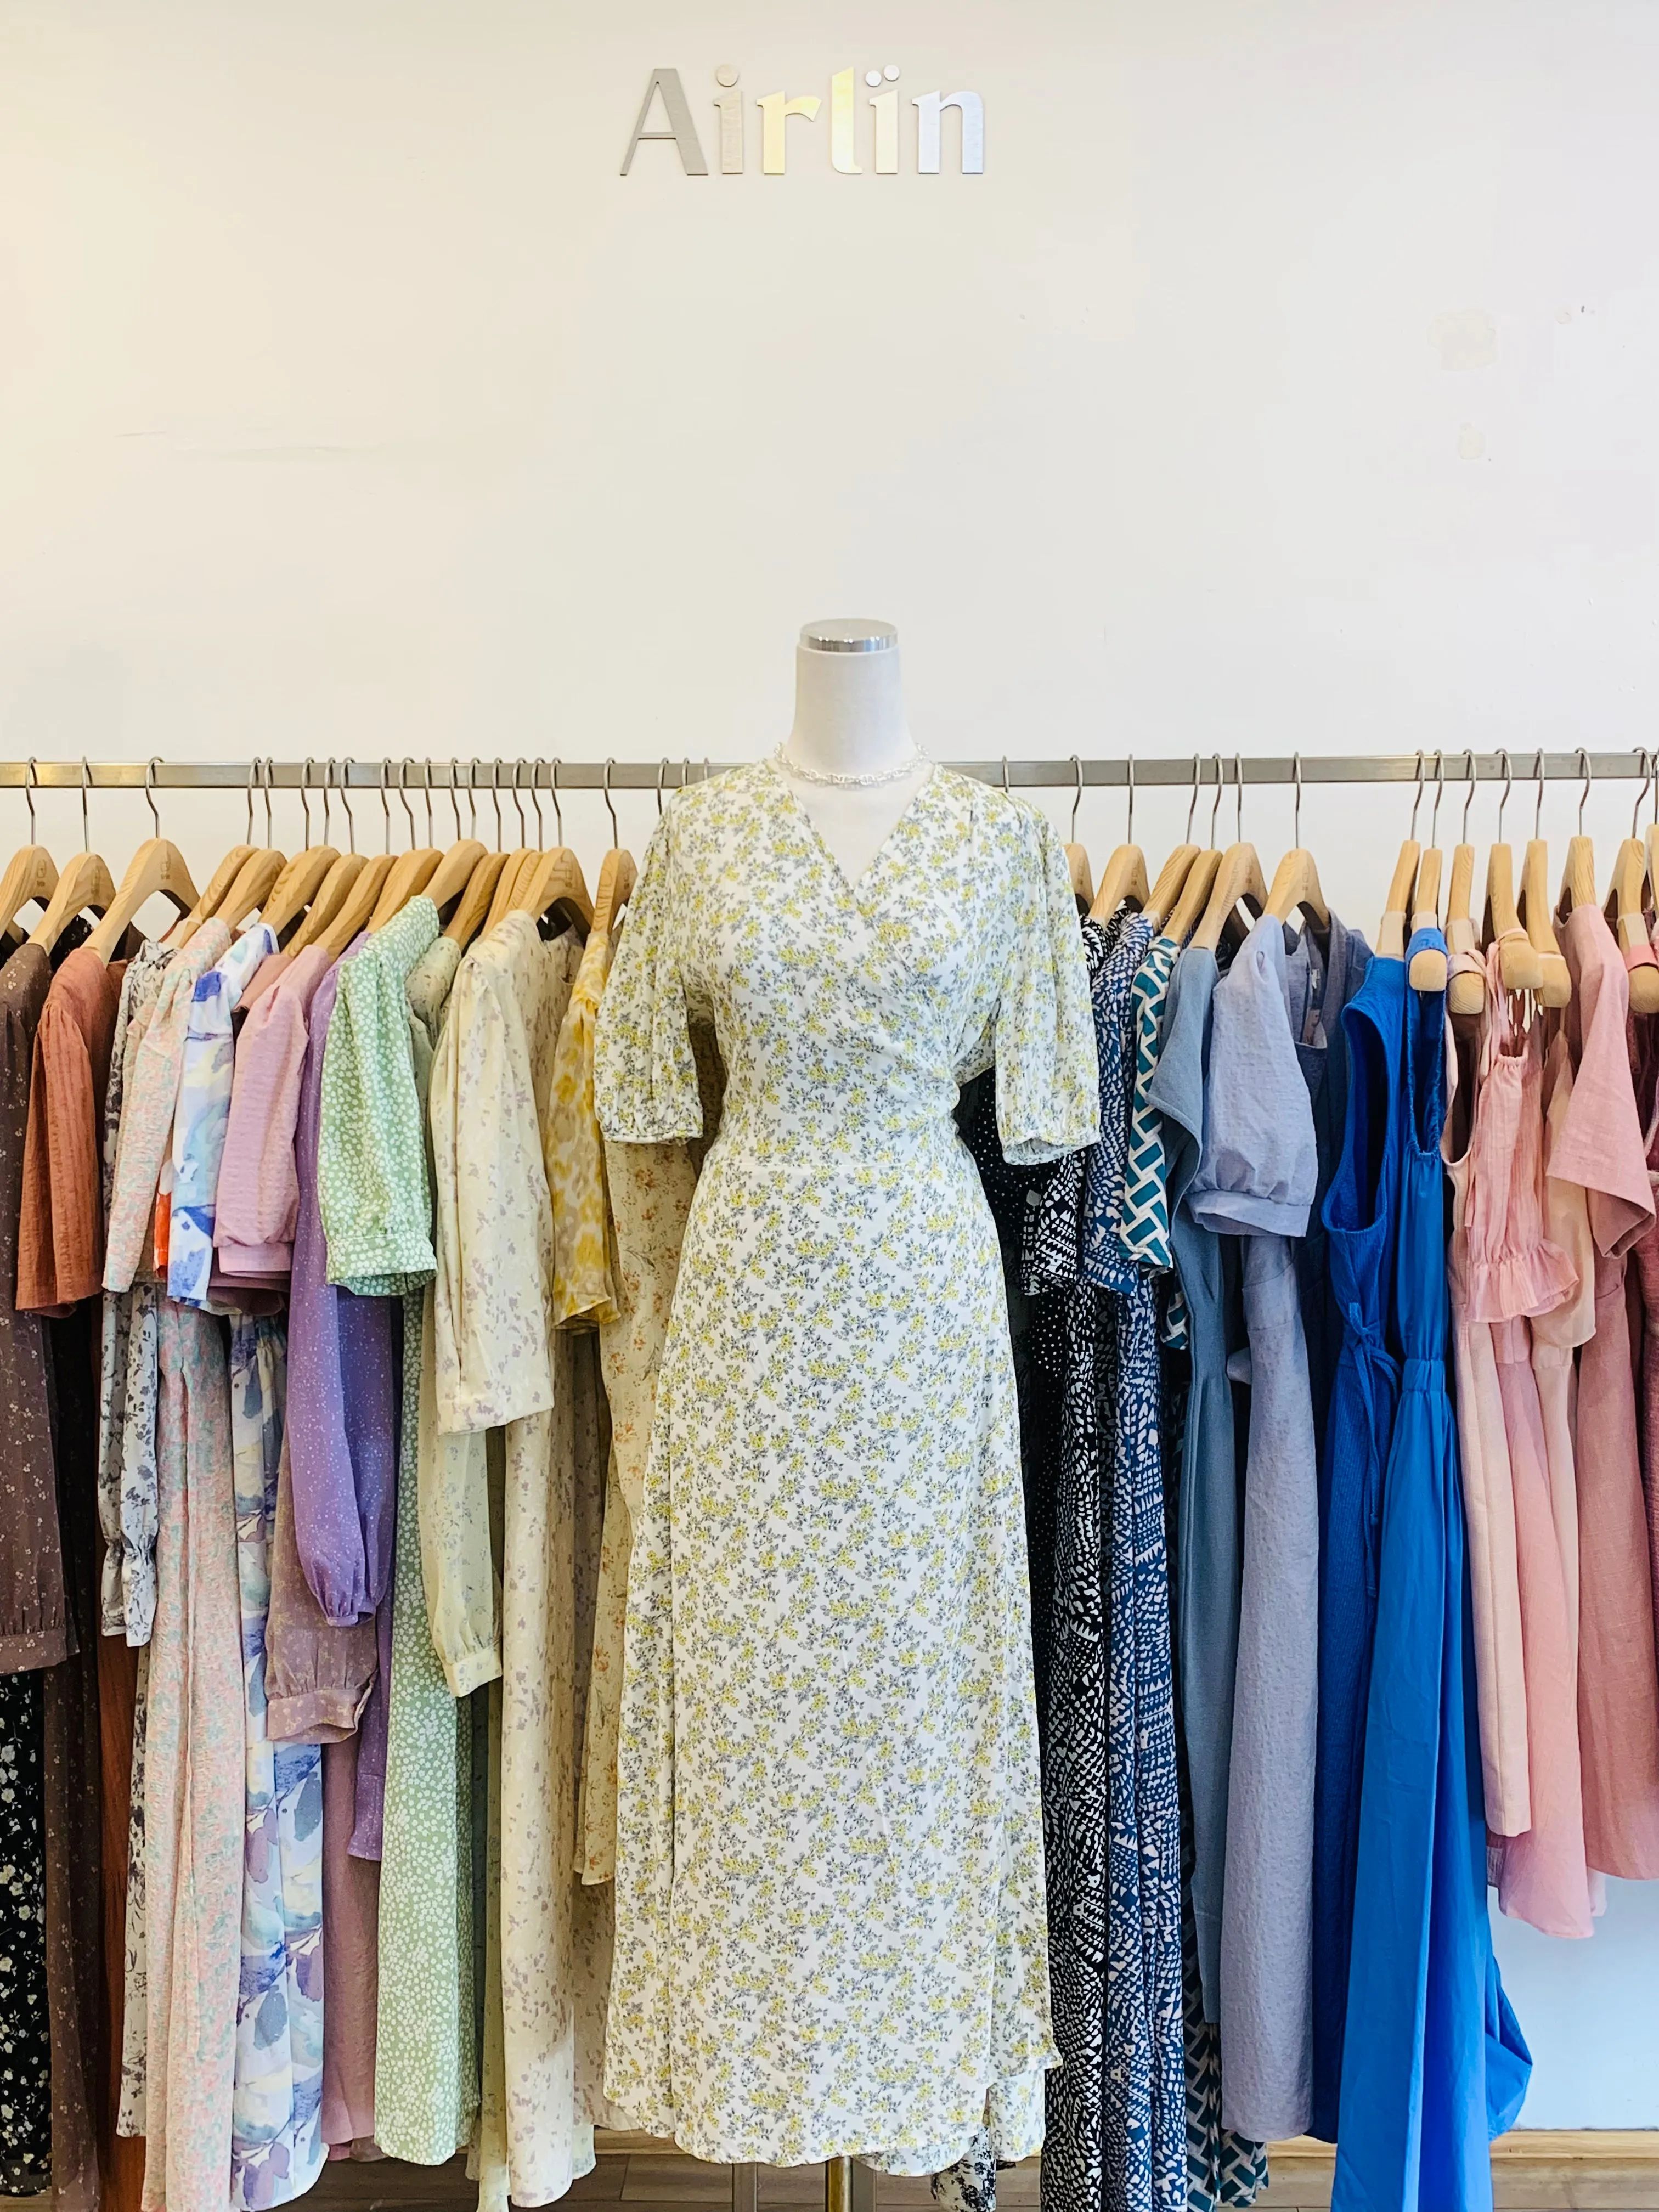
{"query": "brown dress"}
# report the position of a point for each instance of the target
(59, 1272)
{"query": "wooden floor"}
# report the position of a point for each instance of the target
(1533, 2171)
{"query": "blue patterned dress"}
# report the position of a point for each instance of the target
(277, 2149)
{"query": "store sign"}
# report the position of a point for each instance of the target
(665, 92)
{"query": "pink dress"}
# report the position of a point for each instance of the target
(1556, 1335)
(1599, 1146)
(1488, 1497)
(1514, 1272)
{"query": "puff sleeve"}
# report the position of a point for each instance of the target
(645, 1077)
(1048, 1079)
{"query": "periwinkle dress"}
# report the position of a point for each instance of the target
(1433, 2061)
(829, 1897)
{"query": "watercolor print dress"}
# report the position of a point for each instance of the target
(830, 1927)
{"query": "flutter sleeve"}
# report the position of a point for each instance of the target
(1048, 1078)
(644, 1074)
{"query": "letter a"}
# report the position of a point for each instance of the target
(681, 131)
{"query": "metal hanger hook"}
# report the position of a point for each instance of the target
(253, 771)
(662, 770)
(518, 804)
(345, 798)
(535, 767)
(1508, 778)
(1469, 801)
(86, 818)
(403, 767)
(615, 835)
(558, 811)
(28, 796)
(1004, 775)
(1585, 770)
(1644, 762)
(305, 794)
(1238, 800)
(1130, 762)
(496, 801)
(1537, 812)
(1439, 793)
(1191, 803)
(150, 767)
(269, 779)
(386, 804)
(1216, 808)
(1417, 801)
(1296, 817)
(1077, 800)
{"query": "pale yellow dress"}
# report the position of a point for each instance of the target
(830, 1915)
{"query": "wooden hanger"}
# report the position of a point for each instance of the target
(299, 881)
(409, 872)
(1554, 987)
(617, 876)
(297, 886)
(1238, 877)
(553, 883)
(520, 862)
(473, 909)
(450, 879)
(1518, 966)
(85, 883)
(1627, 901)
(1465, 992)
(1167, 889)
(1125, 879)
(328, 900)
(213, 897)
(248, 895)
(1578, 876)
(157, 867)
(356, 909)
(1430, 969)
(32, 873)
(1188, 908)
(1296, 879)
(1391, 935)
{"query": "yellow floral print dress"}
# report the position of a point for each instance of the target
(829, 1913)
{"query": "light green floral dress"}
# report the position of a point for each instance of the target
(831, 1931)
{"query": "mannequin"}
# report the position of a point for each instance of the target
(850, 721)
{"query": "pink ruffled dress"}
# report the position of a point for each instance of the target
(1514, 1273)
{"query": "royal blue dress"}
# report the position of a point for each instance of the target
(1433, 2063)
(1361, 1217)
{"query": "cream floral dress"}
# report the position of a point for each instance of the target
(830, 1928)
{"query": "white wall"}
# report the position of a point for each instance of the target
(350, 402)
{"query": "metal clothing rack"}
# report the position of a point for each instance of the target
(849, 2187)
(420, 774)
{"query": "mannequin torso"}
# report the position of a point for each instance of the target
(850, 720)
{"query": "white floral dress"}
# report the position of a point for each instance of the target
(829, 1913)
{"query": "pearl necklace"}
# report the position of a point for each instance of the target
(791, 767)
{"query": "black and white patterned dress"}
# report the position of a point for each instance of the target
(1084, 1328)
(25, 2037)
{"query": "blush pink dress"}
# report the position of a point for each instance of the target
(1599, 1146)
(1515, 1272)
(1488, 1495)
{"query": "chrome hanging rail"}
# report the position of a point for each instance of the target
(525, 773)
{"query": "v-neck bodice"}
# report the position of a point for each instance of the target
(851, 1012)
